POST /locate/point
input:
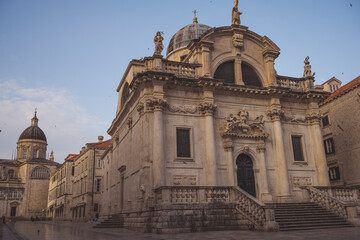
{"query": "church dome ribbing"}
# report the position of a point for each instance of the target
(33, 132)
(185, 35)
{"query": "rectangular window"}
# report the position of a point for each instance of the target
(329, 146)
(98, 185)
(96, 207)
(99, 163)
(334, 173)
(297, 148)
(325, 121)
(73, 170)
(34, 154)
(183, 143)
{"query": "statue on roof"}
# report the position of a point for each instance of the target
(307, 68)
(235, 17)
(159, 46)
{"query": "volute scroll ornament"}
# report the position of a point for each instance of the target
(241, 127)
(313, 117)
(275, 113)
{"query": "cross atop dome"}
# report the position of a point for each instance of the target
(195, 21)
(34, 120)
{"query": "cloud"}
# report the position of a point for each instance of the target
(66, 124)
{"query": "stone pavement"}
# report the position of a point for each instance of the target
(77, 231)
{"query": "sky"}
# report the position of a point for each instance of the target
(66, 57)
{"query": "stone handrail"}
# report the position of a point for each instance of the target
(292, 83)
(177, 68)
(247, 205)
(346, 194)
(326, 201)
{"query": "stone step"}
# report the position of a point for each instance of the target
(299, 216)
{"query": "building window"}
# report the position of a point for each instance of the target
(297, 148)
(11, 174)
(334, 173)
(24, 153)
(329, 146)
(183, 143)
(72, 170)
(333, 88)
(40, 173)
(325, 121)
(98, 185)
(99, 163)
(34, 153)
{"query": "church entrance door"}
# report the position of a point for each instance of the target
(245, 174)
(13, 212)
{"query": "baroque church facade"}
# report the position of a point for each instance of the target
(24, 181)
(212, 123)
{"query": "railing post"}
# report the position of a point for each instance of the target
(270, 224)
(165, 194)
(352, 215)
(202, 197)
(306, 194)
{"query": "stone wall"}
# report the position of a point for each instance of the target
(187, 218)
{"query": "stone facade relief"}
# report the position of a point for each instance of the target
(301, 181)
(182, 109)
(241, 126)
(184, 180)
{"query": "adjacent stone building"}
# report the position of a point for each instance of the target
(24, 181)
(86, 180)
(341, 133)
(60, 190)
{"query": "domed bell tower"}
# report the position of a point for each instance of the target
(32, 142)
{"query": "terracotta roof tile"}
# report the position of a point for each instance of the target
(71, 157)
(103, 144)
(344, 88)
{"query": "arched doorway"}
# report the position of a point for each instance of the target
(245, 174)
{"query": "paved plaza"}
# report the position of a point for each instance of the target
(76, 231)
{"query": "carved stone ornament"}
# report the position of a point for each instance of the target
(156, 104)
(183, 109)
(294, 119)
(140, 108)
(275, 114)
(242, 127)
(313, 117)
(183, 180)
(307, 68)
(129, 122)
(207, 108)
(159, 46)
(238, 40)
(301, 181)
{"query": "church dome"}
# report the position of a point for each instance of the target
(185, 35)
(33, 132)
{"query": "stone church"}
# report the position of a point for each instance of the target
(210, 136)
(24, 181)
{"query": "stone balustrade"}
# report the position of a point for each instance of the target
(177, 68)
(247, 205)
(292, 83)
(346, 194)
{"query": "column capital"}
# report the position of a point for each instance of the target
(275, 113)
(207, 108)
(313, 118)
(156, 104)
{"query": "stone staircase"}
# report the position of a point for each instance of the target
(114, 221)
(301, 216)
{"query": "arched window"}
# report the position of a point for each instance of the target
(249, 76)
(40, 173)
(226, 72)
(34, 153)
(24, 152)
(125, 94)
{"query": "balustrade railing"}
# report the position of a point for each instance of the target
(346, 194)
(326, 201)
(249, 206)
(293, 83)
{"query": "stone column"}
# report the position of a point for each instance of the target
(318, 148)
(265, 195)
(270, 68)
(275, 113)
(230, 162)
(208, 109)
(205, 59)
(238, 71)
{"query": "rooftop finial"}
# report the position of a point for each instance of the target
(307, 68)
(195, 21)
(235, 17)
(34, 120)
(51, 158)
